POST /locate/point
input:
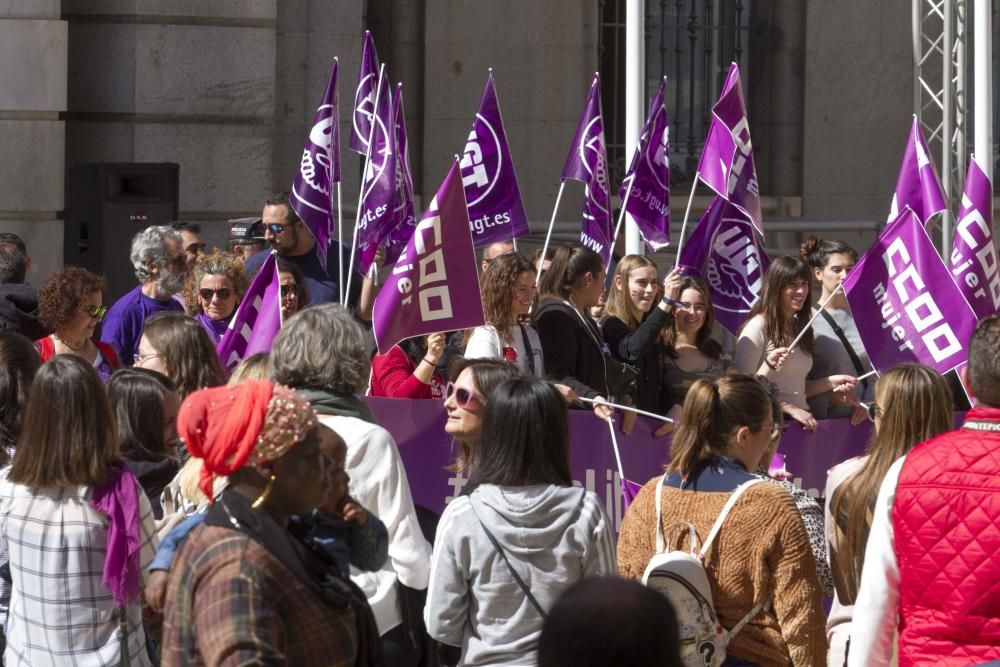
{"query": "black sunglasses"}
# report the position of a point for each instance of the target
(288, 290)
(277, 227)
(207, 294)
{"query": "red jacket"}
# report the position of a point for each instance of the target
(392, 377)
(946, 527)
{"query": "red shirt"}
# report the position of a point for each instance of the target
(392, 377)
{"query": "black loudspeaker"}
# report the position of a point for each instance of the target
(106, 205)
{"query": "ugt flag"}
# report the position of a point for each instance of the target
(364, 97)
(403, 206)
(904, 302)
(495, 206)
(376, 218)
(588, 162)
(435, 284)
(257, 319)
(726, 163)
(319, 169)
(728, 254)
(974, 250)
(918, 186)
(645, 191)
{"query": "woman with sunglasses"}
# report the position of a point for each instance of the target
(218, 284)
(912, 404)
(760, 566)
(294, 293)
(466, 398)
(508, 293)
(520, 534)
(70, 305)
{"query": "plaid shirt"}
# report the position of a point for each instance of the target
(231, 602)
(60, 612)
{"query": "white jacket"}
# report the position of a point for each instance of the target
(485, 343)
(379, 484)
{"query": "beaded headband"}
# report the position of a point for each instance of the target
(288, 420)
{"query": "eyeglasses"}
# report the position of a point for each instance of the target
(96, 312)
(289, 290)
(276, 227)
(141, 358)
(207, 294)
(463, 395)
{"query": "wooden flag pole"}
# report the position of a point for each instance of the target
(361, 193)
(687, 213)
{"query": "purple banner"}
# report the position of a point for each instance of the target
(378, 199)
(727, 252)
(427, 451)
(726, 163)
(319, 169)
(496, 210)
(402, 228)
(918, 185)
(257, 319)
(364, 97)
(588, 162)
(974, 249)
(645, 191)
(435, 284)
(905, 303)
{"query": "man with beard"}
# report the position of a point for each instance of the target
(160, 266)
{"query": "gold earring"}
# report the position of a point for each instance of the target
(262, 498)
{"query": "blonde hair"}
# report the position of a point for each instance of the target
(620, 304)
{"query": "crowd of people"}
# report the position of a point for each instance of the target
(158, 509)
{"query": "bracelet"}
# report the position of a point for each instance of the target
(767, 362)
(430, 363)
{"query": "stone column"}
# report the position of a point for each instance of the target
(33, 48)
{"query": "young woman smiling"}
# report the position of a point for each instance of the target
(776, 320)
(633, 322)
(508, 292)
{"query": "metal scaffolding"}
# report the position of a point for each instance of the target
(939, 99)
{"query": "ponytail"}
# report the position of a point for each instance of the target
(713, 411)
(569, 265)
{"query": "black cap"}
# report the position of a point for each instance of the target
(246, 229)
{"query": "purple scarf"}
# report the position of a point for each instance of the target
(118, 497)
(215, 328)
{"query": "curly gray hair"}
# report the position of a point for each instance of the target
(322, 347)
(150, 244)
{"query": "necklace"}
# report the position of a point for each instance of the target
(76, 348)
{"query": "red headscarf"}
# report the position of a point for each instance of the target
(232, 426)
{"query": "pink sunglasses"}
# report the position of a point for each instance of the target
(463, 395)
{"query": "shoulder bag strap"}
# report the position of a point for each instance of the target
(858, 366)
(528, 349)
(513, 572)
(595, 338)
(660, 543)
(733, 497)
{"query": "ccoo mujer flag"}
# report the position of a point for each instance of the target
(918, 186)
(588, 162)
(974, 249)
(726, 163)
(364, 97)
(645, 191)
(434, 285)
(496, 210)
(319, 169)
(904, 302)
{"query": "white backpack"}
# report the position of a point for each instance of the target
(681, 576)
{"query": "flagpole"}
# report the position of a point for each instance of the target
(361, 193)
(627, 408)
(818, 312)
(687, 213)
(548, 235)
(621, 214)
(614, 445)
(340, 243)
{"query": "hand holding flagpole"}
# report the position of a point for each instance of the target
(819, 311)
(627, 408)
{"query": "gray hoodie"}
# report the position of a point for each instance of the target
(554, 536)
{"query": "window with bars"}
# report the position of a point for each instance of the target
(692, 43)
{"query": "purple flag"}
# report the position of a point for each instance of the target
(974, 250)
(726, 163)
(905, 303)
(378, 200)
(495, 206)
(364, 97)
(257, 319)
(645, 191)
(588, 162)
(319, 169)
(727, 252)
(918, 185)
(629, 491)
(435, 284)
(406, 222)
